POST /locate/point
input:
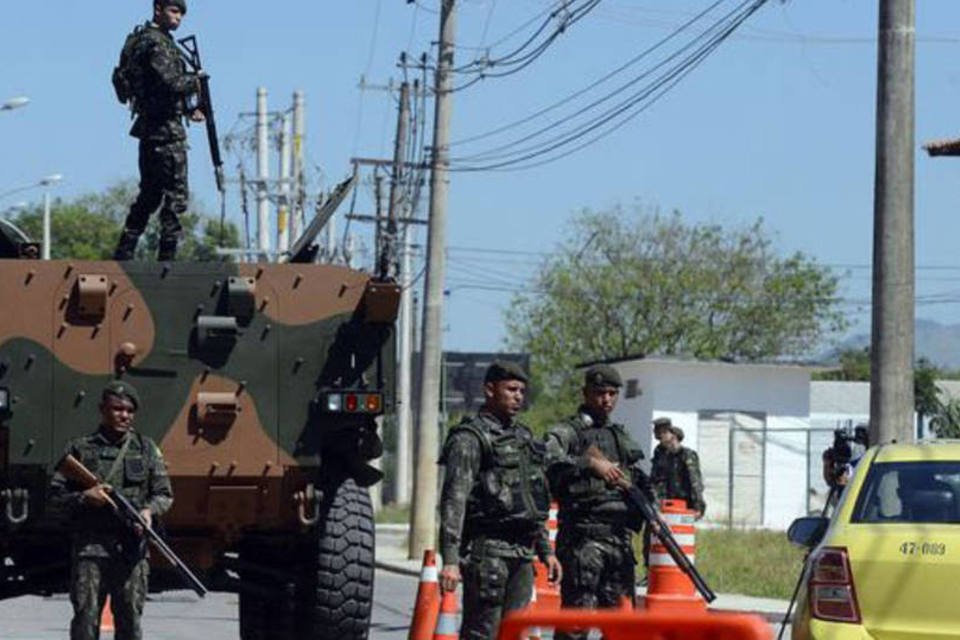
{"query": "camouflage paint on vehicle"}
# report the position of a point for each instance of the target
(230, 362)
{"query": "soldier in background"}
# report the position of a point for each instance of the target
(675, 469)
(109, 558)
(160, 85)
(493, 507)
(596, 523)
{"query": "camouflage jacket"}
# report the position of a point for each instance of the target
(584, 498)
(463, 498)
(141, 476)
(677, 475)
(164, 87)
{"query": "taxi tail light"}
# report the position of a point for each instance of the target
(832, 594)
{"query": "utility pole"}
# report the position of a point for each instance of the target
(892, 345)
(283, 210)
(423, 516)
(299, 186)
(263, 174)
(404, 342)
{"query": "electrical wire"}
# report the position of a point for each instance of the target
(514, 158)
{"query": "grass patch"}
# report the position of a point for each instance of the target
(753, 563)
(392, 514)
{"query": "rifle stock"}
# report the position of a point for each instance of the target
(73, 470)
(636, 497)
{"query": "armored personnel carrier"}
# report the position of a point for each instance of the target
(261, 383)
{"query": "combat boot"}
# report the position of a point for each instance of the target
(167, 251)
(126, 245)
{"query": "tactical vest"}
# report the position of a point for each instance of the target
(586, 492)
(510, 496)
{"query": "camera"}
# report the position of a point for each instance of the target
(849, 445)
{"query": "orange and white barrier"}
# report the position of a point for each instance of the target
(668, 586)
(427, 606)
(620, 624)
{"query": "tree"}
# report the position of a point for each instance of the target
(854, 367)
(87, 227)
(624, 285)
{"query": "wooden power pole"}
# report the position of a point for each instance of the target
(892, 344)
(423, 515)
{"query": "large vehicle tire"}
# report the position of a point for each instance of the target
(344, 564)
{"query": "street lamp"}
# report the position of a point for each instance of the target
(47, 182)
(15, 103)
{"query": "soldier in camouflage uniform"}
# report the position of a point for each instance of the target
(493, 507)
(674, 474)
(108, 557)
(161, 86)
(596, 524)
(675, 469)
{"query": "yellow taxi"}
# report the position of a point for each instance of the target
(887, 564)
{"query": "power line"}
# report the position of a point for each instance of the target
(626, 110)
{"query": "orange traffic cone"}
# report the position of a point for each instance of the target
(427, 606)
(448, 624)
(669, 588)
(106, 616)
(548, 594)
(534, 633)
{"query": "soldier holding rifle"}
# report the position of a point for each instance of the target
(596, 521)
(108, 557)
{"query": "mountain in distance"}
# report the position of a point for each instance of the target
(938, 343)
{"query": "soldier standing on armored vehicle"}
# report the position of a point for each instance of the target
(109, 558)
(493, 507)
(153, 78)
(596, 523)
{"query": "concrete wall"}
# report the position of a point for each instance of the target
(778, 399)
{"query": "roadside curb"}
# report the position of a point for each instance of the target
(396, 568)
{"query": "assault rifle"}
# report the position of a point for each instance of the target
(190, 52)
(73, 470)
(639, 500)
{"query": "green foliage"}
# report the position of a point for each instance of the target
(945, 420)
(624, 285)
(854, 367)
(926, 396)
(87, 227)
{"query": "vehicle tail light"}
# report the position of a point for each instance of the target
(372, 403)
(352, 402)
(832, 594)
(334, 402)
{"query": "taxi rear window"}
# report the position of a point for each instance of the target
(910, 492)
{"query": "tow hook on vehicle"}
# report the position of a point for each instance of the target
(17, 504)
(308, 501)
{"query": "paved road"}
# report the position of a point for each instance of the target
(181, 616)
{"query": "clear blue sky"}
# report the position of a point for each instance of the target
(778, 123)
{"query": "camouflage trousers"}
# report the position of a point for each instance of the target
(492, 586)
(92, 580)
(598, 570)
(163, 185)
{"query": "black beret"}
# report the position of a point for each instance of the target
(503, 370)
(180, 4)
(122, 389)
(602, 375)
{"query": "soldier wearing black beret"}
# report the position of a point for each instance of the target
(494, 506)
(596, 524)
(108, 557)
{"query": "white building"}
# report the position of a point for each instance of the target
(749, 423)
